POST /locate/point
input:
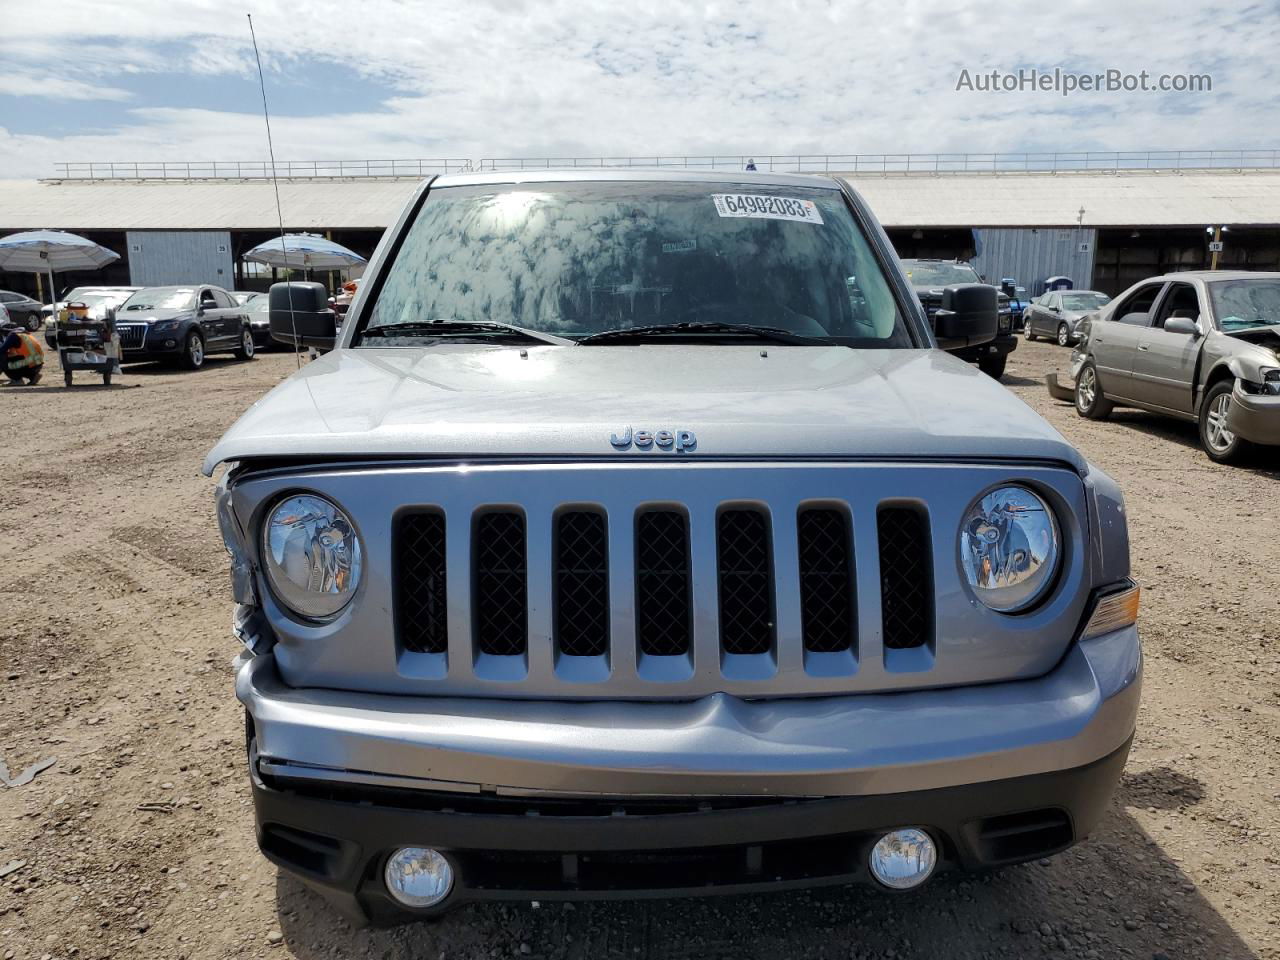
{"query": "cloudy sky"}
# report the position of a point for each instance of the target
(175, 79)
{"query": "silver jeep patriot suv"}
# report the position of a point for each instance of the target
(636, 537)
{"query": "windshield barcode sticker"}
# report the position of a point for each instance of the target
(763, 207)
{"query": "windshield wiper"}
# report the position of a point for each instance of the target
(446, 327)
(772, 334)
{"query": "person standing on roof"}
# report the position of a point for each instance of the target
(23, 357)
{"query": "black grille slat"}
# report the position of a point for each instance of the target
(745, 573)
(906, 577)
(582, 584)
(826, 580)
(501, 593)
(662, 583)
(421, 611)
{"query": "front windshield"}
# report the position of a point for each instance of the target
(1084, 301)
(162, 298)
(575, 259)
(938, 273)
(1245, 303)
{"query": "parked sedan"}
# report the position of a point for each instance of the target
(1059, 314)
(22, 309)
(260, 321)
(1199, 346)
(183, 325)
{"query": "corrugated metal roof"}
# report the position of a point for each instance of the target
(1109, 199)
(1050, 200)
(201, 205)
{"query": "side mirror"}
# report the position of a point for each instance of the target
(1183, 325)
(300, 315)
(967, 317)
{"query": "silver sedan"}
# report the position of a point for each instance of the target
(1200, 346)
(1059, 314)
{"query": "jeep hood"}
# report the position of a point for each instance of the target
(469, 400)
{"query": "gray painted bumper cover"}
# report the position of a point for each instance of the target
(1256, 418)
(715, 746)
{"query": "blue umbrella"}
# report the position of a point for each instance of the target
(306, 250)
(45, 251)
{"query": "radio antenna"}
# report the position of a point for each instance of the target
(275, 183)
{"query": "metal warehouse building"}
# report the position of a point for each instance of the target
(1104, 228)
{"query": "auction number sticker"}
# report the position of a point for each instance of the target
(763, 207)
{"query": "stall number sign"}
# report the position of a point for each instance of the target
(1215, 246)
(760, 207)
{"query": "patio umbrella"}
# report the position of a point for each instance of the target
(47, 251)
(306, 250)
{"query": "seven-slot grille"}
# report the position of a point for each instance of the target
(132, 335)
(663, 583)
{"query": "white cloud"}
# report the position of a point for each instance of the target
(57, 88)
(555, 78)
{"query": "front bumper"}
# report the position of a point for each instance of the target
(1002, 345)
(341, 779)
(262, 336)
(1254, 417)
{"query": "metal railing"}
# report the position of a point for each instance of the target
(865, 164)
(257, 169)
(922, 163)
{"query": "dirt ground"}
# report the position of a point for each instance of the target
(138, 842)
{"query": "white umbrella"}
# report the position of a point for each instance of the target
(306, 250)
(47, 251)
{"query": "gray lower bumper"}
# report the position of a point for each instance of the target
(716, 746)
(1256, 418)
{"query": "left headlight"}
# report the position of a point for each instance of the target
(312, 555)
(1010, 549)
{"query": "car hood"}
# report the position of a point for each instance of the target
(467, 400)
(150, 316)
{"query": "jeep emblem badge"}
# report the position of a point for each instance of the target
(678, 440)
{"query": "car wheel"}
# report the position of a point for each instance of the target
(994, 366)
(1219, 443)
(1064, 335)
(33, 323)
(1090, 401)
(246, 349)
(1027, 330)
(192, 352)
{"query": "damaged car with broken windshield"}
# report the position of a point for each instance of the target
(638, 536)
(1201, 346)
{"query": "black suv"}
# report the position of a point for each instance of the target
(930, 277)
(183, 324)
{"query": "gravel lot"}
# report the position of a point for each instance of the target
(138, 841)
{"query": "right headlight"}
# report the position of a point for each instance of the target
(1010, 548)
(312, 556)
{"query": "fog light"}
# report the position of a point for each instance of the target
(171, 343)
(418, 876)
(903, 859)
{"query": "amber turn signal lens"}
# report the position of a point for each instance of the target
(1113, 611)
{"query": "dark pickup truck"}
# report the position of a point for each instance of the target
(930, 278)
